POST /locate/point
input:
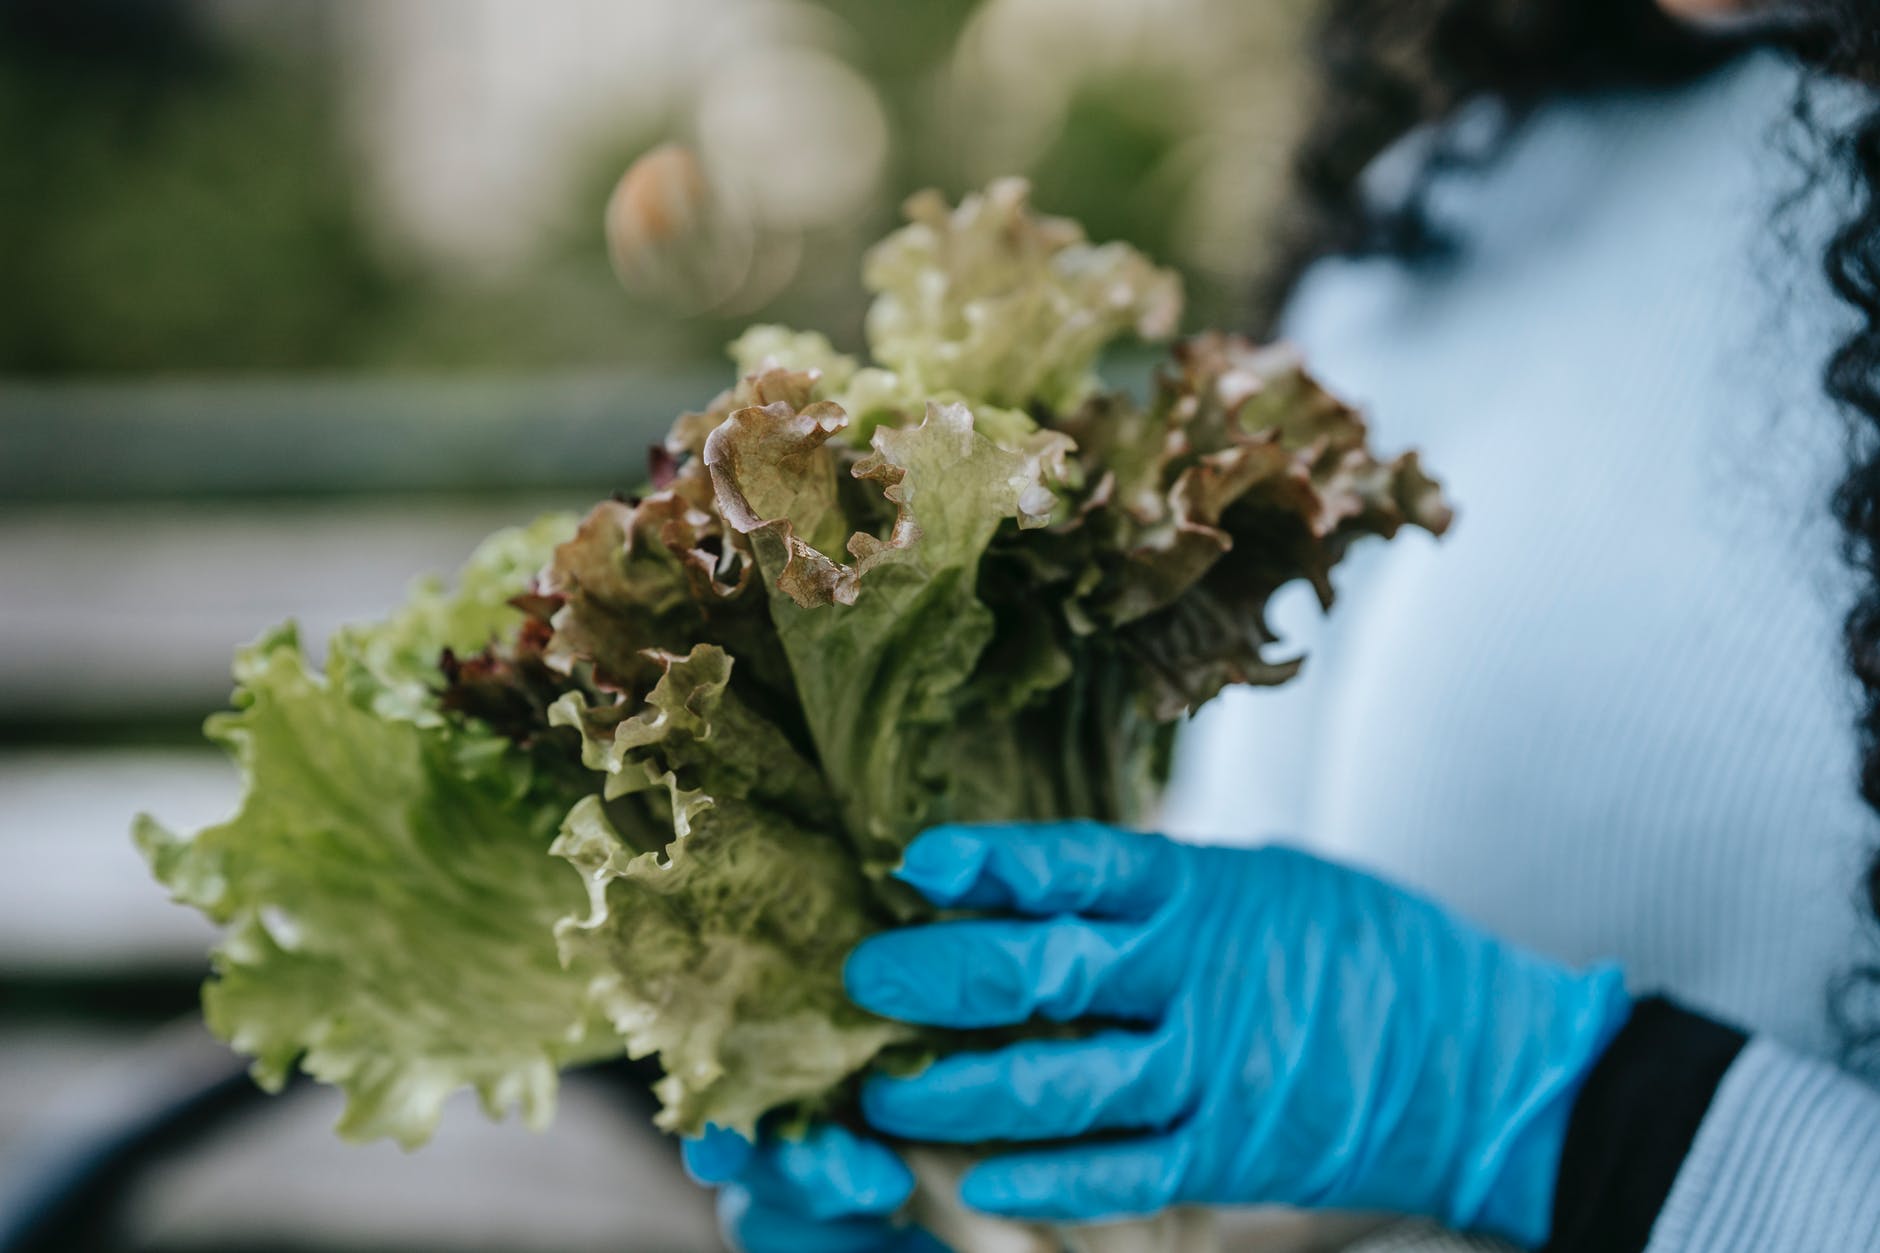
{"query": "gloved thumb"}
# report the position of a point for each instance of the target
(716, 1157)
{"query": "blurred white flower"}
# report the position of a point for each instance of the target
(476, 116)
(794, 134)
(670, 237)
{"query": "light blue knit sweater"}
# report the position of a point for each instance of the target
(1608, 717)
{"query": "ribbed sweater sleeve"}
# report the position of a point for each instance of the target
(1787, 1160)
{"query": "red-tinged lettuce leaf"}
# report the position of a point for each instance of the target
(881, 645)
(775, 365)
(778, 484)
(1244, 475)
(391, 667)
(507, 688)
(655, 574)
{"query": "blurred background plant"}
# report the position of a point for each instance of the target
(417, 184)
(299, 299)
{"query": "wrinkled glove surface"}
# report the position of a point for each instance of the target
(1266, 1027)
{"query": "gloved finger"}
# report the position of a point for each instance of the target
(1083, 1183)
(753, 1226)
(717, 1156)
(829, 1173)
(1039, 1090)
(1044, 868)
(1001, 971)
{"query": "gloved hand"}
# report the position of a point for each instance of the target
(1284, 1030)
(830, 1191)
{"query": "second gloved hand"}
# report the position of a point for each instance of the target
(827, 1190)
(1284, 1030)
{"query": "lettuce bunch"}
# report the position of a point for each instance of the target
(632, 786)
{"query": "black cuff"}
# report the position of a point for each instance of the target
(1632, 1125)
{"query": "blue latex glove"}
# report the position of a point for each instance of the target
(829, 1191)
(1296, 1032)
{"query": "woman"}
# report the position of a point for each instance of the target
(1609, 726)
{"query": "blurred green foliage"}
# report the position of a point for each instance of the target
(176, 201)
(168, 205)
(1107, 160)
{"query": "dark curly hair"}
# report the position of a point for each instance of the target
(1389, 66)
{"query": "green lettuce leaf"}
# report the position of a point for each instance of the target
(723, 955)
(997, 305)
(881, 645)
(699, 726)
(722, 950)
(391, 667)
(385, 888)
(635, 783)
(388, 904)
(764, 348)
